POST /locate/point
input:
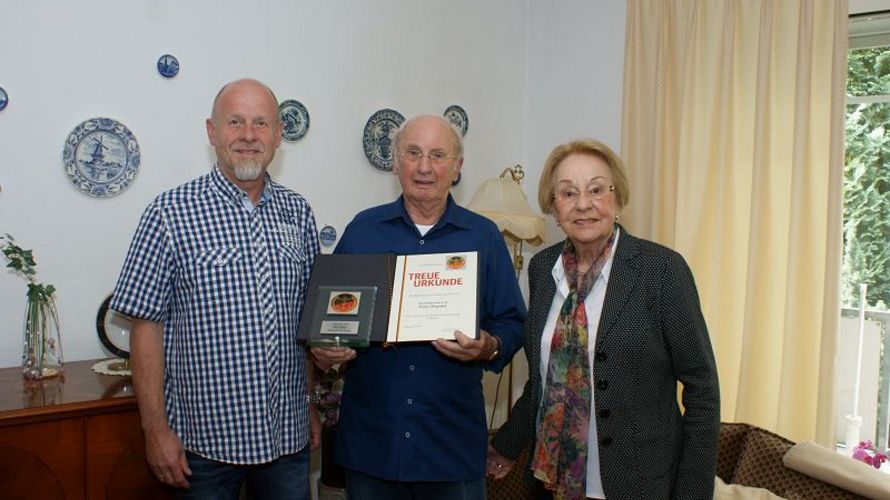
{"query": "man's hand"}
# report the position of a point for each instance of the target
(325, 357)
(163, 449)
(166, 457)
(496, 465)
(464, 348)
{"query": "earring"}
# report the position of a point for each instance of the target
(556, 222)
(617, 217)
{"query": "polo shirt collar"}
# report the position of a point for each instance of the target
(452, 215)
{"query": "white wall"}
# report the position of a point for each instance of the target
(65, 62)
(530, 74)
(575, 77)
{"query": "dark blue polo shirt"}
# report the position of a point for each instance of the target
(409, 413)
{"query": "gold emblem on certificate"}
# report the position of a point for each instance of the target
(457, 262)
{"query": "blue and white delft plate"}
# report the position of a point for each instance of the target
(327, 236)
(378, 136)
(4, 99)
(294, 120)
(458, 117)
(101, 157)
(168, 66)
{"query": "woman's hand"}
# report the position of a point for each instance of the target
(496, 465)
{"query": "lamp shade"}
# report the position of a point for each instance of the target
(503, 201)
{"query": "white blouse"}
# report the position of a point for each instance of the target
(594, 306)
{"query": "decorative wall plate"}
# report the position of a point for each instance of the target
(4, 99)
(458, 117)
(101, 157)
(113, 329)
(327, 236)
(378, 135)
(168, 66)
(294, 120)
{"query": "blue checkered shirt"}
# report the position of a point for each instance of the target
(227, 280)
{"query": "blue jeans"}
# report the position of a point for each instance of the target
(364, 487)
(286, 478)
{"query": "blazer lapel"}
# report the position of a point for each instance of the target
(622, 280)
(547, 288)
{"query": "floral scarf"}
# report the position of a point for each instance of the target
(560, 456)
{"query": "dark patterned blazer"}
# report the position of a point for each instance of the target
(651, 335)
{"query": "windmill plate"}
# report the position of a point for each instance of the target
(101, 157)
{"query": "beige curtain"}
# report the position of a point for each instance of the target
(733, 136)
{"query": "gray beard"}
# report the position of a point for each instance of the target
(248, 170)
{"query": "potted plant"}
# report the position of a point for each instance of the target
(42, 350)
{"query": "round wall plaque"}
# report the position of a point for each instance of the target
(168, 66)
(101, 157)
(378, 137)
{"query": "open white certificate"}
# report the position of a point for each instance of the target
(434, 295)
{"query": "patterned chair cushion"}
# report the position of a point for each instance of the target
(732, 438)
(760, 465)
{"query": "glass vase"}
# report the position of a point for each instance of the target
(42, 353)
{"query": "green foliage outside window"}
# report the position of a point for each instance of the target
(867, 180)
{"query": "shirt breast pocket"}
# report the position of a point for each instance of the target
(292, 254)
(217, 258)
(214, 271)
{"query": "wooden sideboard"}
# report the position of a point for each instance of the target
(76, 437)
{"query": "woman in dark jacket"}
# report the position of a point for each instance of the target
(614, 324)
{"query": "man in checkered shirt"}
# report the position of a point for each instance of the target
(215, 280)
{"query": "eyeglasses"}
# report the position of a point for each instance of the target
(571, 195)
(436, 157)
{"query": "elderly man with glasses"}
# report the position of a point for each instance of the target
(412, 417)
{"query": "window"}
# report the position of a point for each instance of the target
(866, 238)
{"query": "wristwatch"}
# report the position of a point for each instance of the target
(497, 349)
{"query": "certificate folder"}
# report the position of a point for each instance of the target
(356, 299)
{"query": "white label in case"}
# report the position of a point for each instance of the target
(339, 327)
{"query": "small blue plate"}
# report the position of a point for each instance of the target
(458, 117)
(377, 138)
(327, 236)
(294, 120)
(168, 66)
(4, 99)
(101, 157)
